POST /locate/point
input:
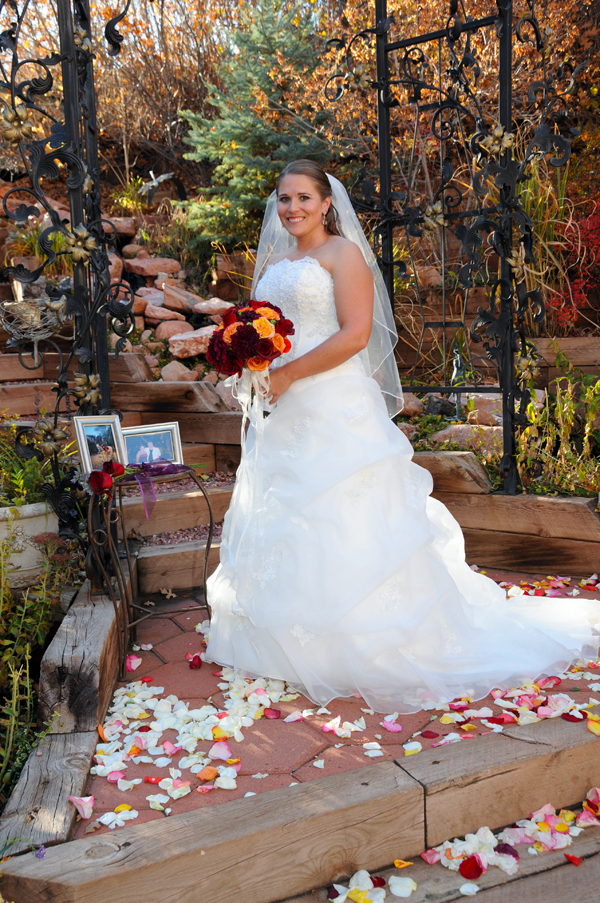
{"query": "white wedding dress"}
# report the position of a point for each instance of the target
(339, 574)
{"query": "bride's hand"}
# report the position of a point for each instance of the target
(279, 382)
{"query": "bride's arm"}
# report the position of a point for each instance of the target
(353, 288)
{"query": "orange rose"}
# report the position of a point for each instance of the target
(288, 345)
(279, 343)
(229, 332)
(268, 312)
(257, 363)
(264, 328)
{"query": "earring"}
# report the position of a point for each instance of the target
(324, 219)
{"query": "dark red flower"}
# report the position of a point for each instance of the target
(246, 315)
(284, 327)
(244, 342)
(266, 350)
(100, 482)
(505, 849)
(221, 355)
(113, 468)
(470, 868)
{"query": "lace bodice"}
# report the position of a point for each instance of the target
(303, 289)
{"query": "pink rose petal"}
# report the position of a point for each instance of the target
(133, 662)
(83, 804)
(169, 748)
(272, 713)
(295, 716)
(220, 750)
(391, 726)
(115, 776)
(431, 856)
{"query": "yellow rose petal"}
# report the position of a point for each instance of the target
(359, 896)
(219, 734)
(446, 719)
(401, 864)
(123, 808)
(542, 826)
(561, 828)
(567, 816)
(539, 846)
(593, 726)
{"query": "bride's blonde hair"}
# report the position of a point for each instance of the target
(319, 177)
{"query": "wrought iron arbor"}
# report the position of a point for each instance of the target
(473, 197)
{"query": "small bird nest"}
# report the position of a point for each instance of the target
(29, 320)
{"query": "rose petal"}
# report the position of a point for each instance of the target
(391, 726)
(295, 716)
(505, 849)
(220, 750)
(429, 735)
(471, 868)
(468, 890)
(574, 859)
(83, 804)
(401, 887)
(431, 856)
(133, 662)
(272, 713)
(115, 776)
(195, 661)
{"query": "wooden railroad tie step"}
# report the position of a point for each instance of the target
(176, 510)
(177, 567)
(293, 840)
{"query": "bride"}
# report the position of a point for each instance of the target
(339, 574)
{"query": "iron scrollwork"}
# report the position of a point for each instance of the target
(474, 199)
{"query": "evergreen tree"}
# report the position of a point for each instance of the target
(259, 126)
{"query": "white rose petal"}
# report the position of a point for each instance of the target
(401, 887)
(468, 890)
(320, 763)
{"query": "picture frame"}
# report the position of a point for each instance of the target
(152, 442)
(99, 439)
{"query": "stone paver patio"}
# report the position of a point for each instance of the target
(286, 752)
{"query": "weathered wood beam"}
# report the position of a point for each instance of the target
(455, 471)
(175, 567)
(255, 850)
(176, 510)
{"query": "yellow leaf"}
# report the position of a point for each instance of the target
(123, 808)
(401, 864)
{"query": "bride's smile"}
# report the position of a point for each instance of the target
(301, 209)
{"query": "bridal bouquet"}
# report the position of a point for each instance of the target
(250, 337)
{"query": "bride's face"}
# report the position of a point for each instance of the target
(300, 206)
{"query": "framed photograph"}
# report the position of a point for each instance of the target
(155, 442)
(99, 439)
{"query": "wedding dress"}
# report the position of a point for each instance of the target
(339, 574)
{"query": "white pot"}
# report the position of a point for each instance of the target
(29, 521)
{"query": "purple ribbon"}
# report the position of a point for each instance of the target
(143, 473)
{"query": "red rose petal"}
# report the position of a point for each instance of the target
(196, 661)
(574, 859)
(378, 881)
(332, 893)
(272, 713)
(568, 717)
(144, 729)
(506, 850)
(429, 735)
(148, 780)
(146, 680)
(470, 868)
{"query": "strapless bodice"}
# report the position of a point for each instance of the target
(303, 289)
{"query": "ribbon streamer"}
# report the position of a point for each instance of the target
(143, 473)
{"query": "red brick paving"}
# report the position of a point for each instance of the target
(284, 751)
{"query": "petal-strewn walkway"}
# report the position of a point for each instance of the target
(274, 753)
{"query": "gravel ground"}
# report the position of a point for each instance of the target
(214, 480)
(190, 535)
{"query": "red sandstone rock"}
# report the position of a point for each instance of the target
(168, 328)
(125, 225)
(212, 306)
(177, 298)
(139, 304)
(139, 322)
(130, 251)
(176, 372)
(413, 406)
(115, 267)
(195, 342)
(161, 313)
(152, 266)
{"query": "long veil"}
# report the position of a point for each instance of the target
(378, 357)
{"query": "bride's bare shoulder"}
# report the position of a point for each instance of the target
(276, 258)
(343, 253)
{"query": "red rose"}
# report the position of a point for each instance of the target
(113, 468)
(284, 327)
(229, 317)
(100, 482)
(266, 350)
